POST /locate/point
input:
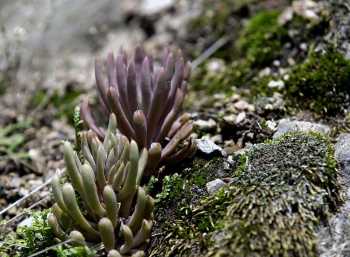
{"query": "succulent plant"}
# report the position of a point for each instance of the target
(147, 102)
(103, 199)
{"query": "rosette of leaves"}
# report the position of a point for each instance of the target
(102, 199)
(147, 101)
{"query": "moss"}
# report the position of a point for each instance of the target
(262, 39)
(321, 83)
(281, 191)
(172, 188)
(28, 240)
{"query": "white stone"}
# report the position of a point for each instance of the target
(205, 124)
(286, 125)
(151, 7)
(240, 117)
(279, 84)
(214, 186)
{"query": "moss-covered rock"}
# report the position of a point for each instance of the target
(281, 191)
(286, 190)
(321, 83)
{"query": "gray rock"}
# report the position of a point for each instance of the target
(334, 240)
(240, 117)
(342, 152)
(207, 146)
(205, 125)
(214, 185)
(286, 125)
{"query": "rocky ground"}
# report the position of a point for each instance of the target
(270, 107)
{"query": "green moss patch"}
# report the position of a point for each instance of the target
(321, 83)
(37, 236)
(281, 191)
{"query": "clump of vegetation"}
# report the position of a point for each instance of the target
(147, 102)
(280, 193)
(37, 236)
(321, 83)
(113, 207)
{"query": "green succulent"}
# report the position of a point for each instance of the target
(103, 200)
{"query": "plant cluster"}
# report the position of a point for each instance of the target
(103, 200)
(147, 102)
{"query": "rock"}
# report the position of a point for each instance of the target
(230, 119)
(274, 102)
(279, 84)
(286, 125)
(334, 239)
(307, 9)
(214, 186)
(216, 65)
(271, 125)
(205, 125)
(240, 117)
(47, 36)
(342, 152)
(207, 146)
(153, 7)
(243, 105)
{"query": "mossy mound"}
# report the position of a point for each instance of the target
(281, 191)
(287, 188)
(321, 83)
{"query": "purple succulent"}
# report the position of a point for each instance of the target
(147, 101)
